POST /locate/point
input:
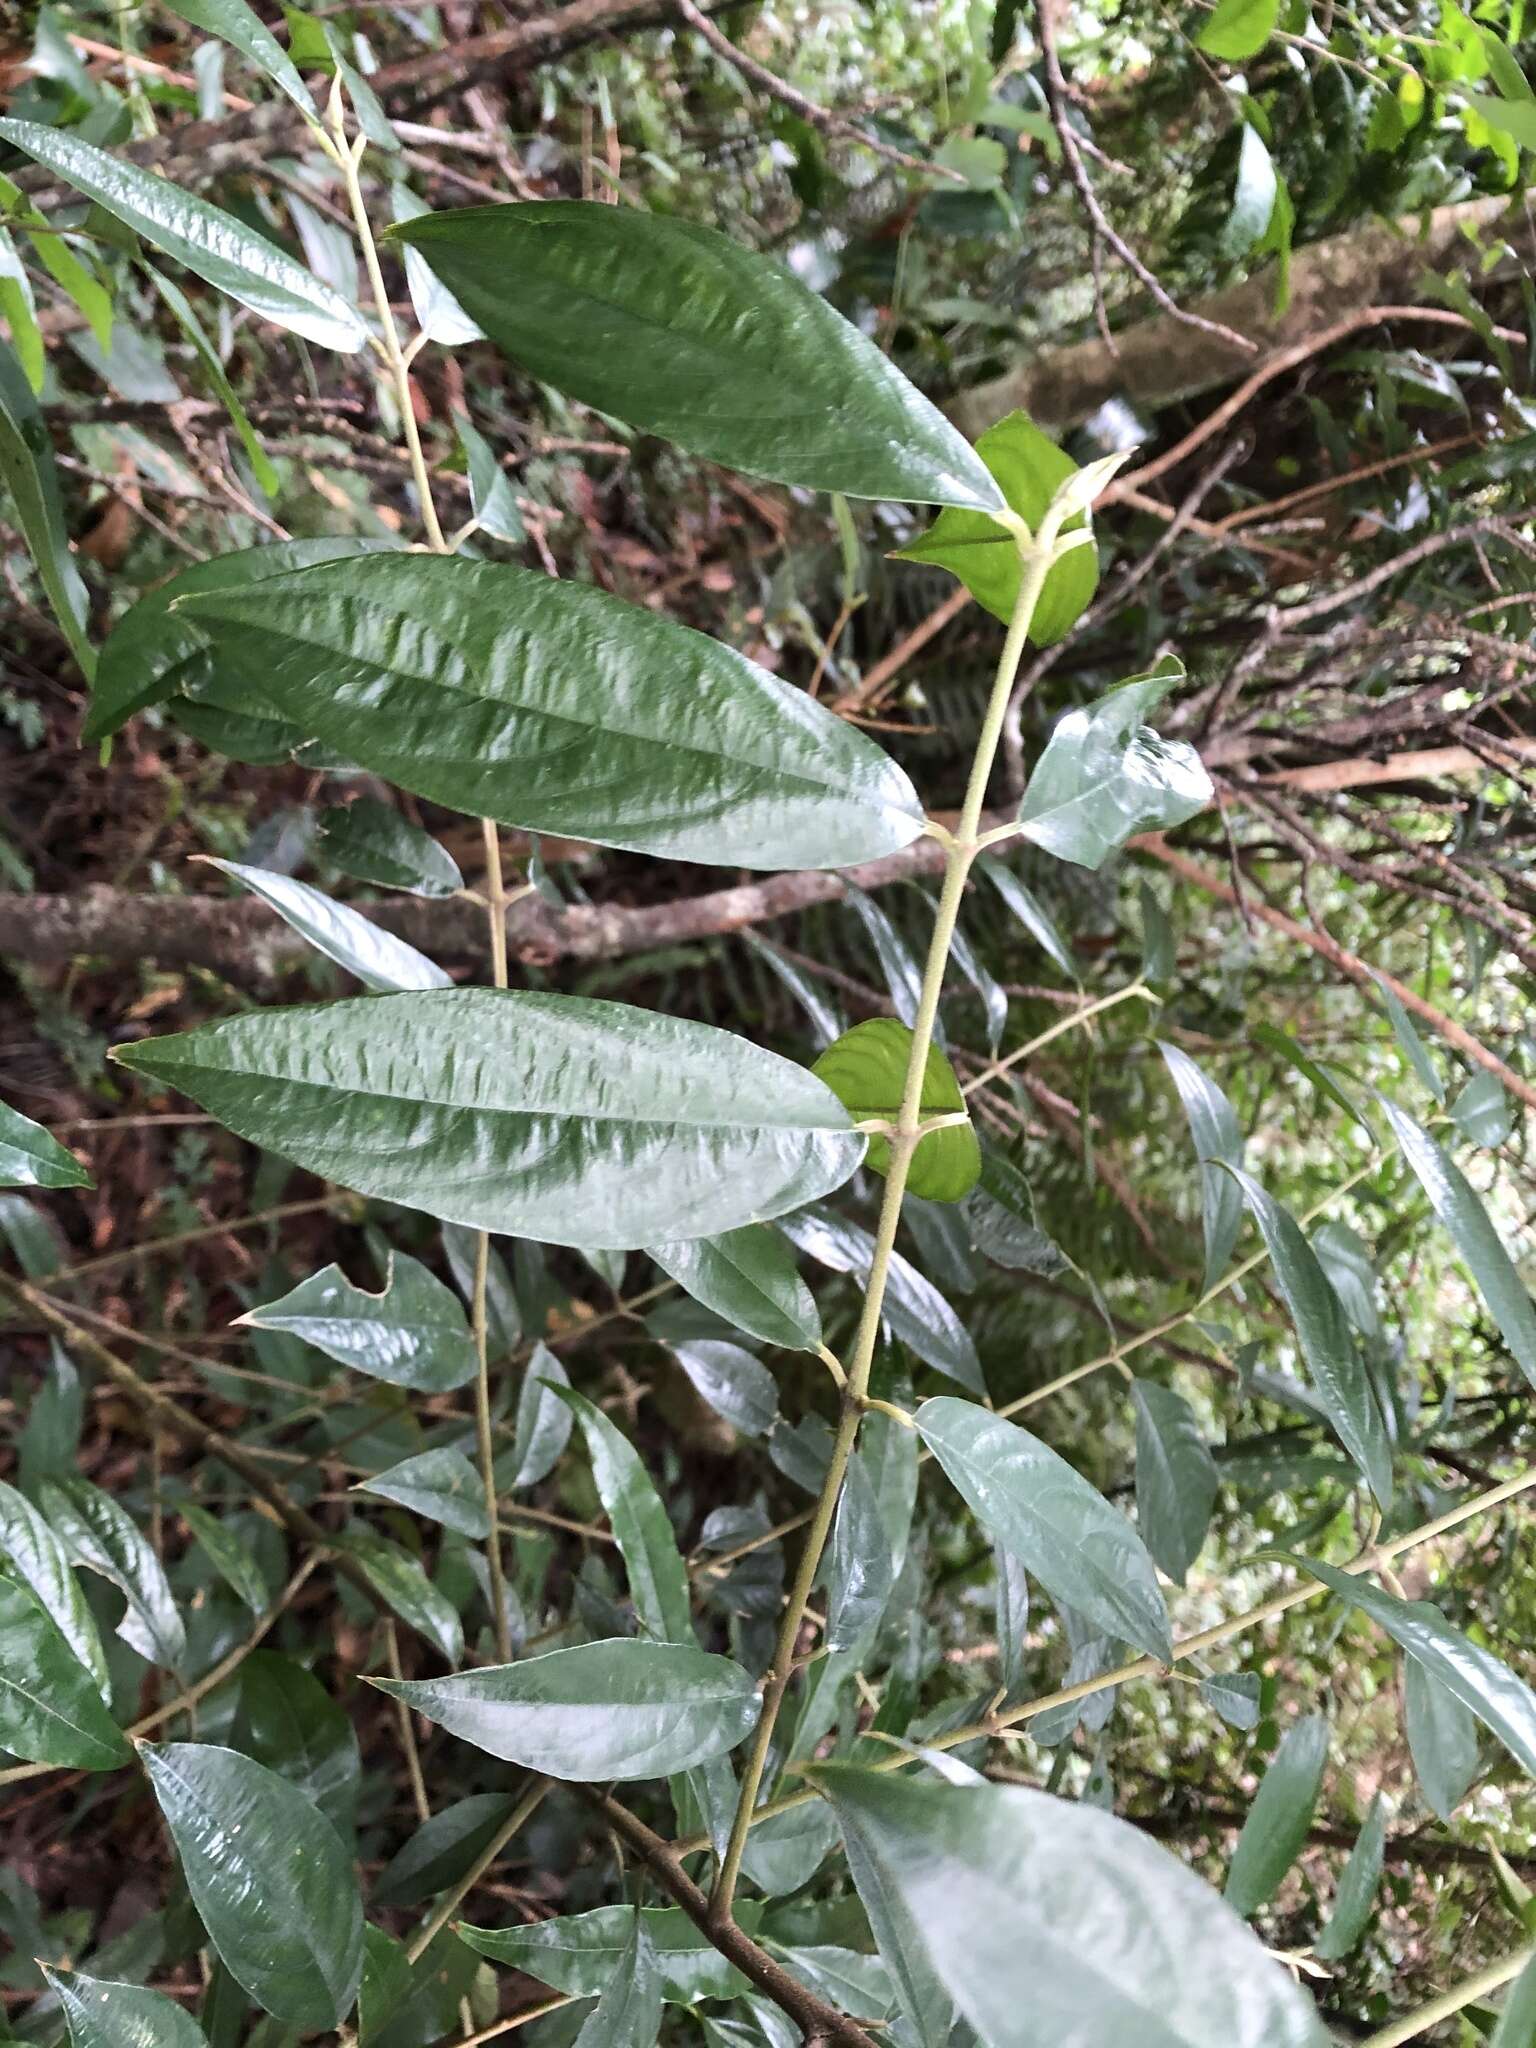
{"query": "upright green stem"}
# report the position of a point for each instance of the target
(348, 158)
(1037, 553)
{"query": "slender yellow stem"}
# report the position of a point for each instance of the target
(1037, 552)
(449, 1904)
(1451, 2002)
(1059, 1030)
(407, 1729)
(486, 1445)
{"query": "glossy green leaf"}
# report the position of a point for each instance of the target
(185, 316)
(553, 707)
(867, 1069)
(682, 333)
(1032, 1502)
(846, 1978)
(732, 1381)
(903, 976)
(543, 1423)
(375, 956)
(1238, 29)
(628, 2015)
(402, 1583)
(492, 498)
(1456, 1204)
(60, 261)
(747, 1276)
(1442, 1739)
(103, 1537)
(440, 1485)
(1483, 1112)
(1176, 1478)
(1338, 1372)
(1356, 1895)
(1509, 117)
(1213, 1126)
(206, 240)
(1105, 776)
(51, 1710)
(31, 1157)
(658, 1581)
(235, 23)
(1048, 1921)
(413, 1333)
(285, 1719)
(18, 306)
(229, 1554)
(1346, 1259)
(1029, 470)
(1278, 1820)
(1235, 1695)
(554, 1117)
(372, 842)
(269, 1876)
(860, 1576)
(101, 2014)
(1286, 1046)
(1412, 1046)
(31, 480)
(1030, 912)
(1484, 1684)
(1517, 2017)
(386, 1984)
(578, 1953)
(825, 1019)
(155, 651)
(621, 1709)
(918, 1314)
(39, 1559)
(442, 1850)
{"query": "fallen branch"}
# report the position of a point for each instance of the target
(1346, 962)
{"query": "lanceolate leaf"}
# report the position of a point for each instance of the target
(619, 1709)
(866, 1070)
(1029, 469)
(628, 2015)
(1356, 1894)
(230, 1556)
(442, 1849)
(237, 24)
(734, 1383)
(414, 1333)
(543, 1424)
(441, 1485)
(1326, 1341)
(371, 841)
(31, 480)
(1279, 1817)
(401, 1581)
(185, 315)
(579, 1952)
(103, 1537)
(1030, 912)
(1104, 776)
(40, 1561)
(682, 333)
(1413, 1047)
(1214, 1128)
(100, 2014)
(552, 1117)
(917, 1313)
(50, 1709)
(1035, 1505)
(1176, 1478)
(1442, 1739)
(1517, 2017)
(375, 956)
(155, 651)
(859, 1564)
(286, 1719)
(658, 1582)
(269, 1876)
(31, 1157)
(214, 245)
(1483, 1684)
(1048, 1921)
(555, 708)
(749, 1277)
(1457, 1205)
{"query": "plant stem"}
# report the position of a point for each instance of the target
(1453, 2001)
(449, 1904)
(1036, 556)
(349, 159)
(1058, 1030)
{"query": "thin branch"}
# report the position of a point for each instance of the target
(1099, 224)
